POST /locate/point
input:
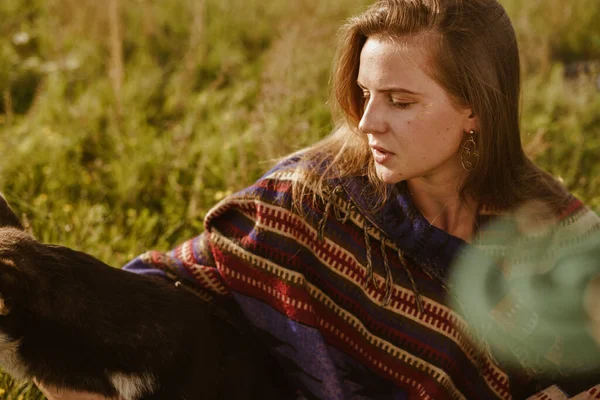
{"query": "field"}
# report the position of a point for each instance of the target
(123, 122)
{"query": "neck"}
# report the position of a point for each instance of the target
(440, 204)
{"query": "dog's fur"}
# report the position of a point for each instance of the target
(71, 321)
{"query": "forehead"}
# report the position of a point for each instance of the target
(403, 61)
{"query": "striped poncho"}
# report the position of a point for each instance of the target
(351, 299)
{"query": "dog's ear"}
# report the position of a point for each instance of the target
(7, 215)
(9, 285)
(17, 248)
(4, 306)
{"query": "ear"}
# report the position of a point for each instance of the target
(7, 215)
(471, 122)
(4, 307)
(9, 285)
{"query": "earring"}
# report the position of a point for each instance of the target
(468, 153)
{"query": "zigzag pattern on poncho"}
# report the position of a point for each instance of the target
(354, 302)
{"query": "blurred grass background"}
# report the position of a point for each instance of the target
(123, 121)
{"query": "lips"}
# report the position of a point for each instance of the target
(380, 149)
(380, 154)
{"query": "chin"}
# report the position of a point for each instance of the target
(389, 176)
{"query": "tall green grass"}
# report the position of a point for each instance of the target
(119, 131)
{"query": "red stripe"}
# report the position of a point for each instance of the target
(570, 209)
(318, 317)
(283, 221)
(312, 317)
(444, 323)
(285, 188)
(351, 231)
(372, 355)
(357, 309)
(354, 269)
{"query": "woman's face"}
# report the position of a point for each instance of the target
(414, 131)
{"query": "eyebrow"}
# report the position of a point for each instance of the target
(391, 89)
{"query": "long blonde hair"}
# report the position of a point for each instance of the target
(476, 60)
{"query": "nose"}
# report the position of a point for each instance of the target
(373, 118)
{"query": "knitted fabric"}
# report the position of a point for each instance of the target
(352, 300)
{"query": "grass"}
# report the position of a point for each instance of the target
(119, 130)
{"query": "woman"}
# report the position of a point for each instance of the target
(340, 254)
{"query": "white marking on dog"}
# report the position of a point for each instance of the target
(8, 262)
(9, 358)
(133, 386)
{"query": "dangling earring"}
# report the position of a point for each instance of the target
(469, 154)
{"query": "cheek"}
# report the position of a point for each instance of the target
(429, 131)
(447, 140)
(438, 128)
(434, 143)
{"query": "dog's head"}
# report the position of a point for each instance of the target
(7, 215)
(14, 242)
(35, 276)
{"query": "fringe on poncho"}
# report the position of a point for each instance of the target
(353, 301)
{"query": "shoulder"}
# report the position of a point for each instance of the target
(578, 227)
(273, 188)
(570, 224)
(275, 195)
(538, 234)
(576, 212)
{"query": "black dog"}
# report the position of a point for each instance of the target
(71, 321)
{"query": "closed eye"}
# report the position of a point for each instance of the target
(401, 105)
(397, 104)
